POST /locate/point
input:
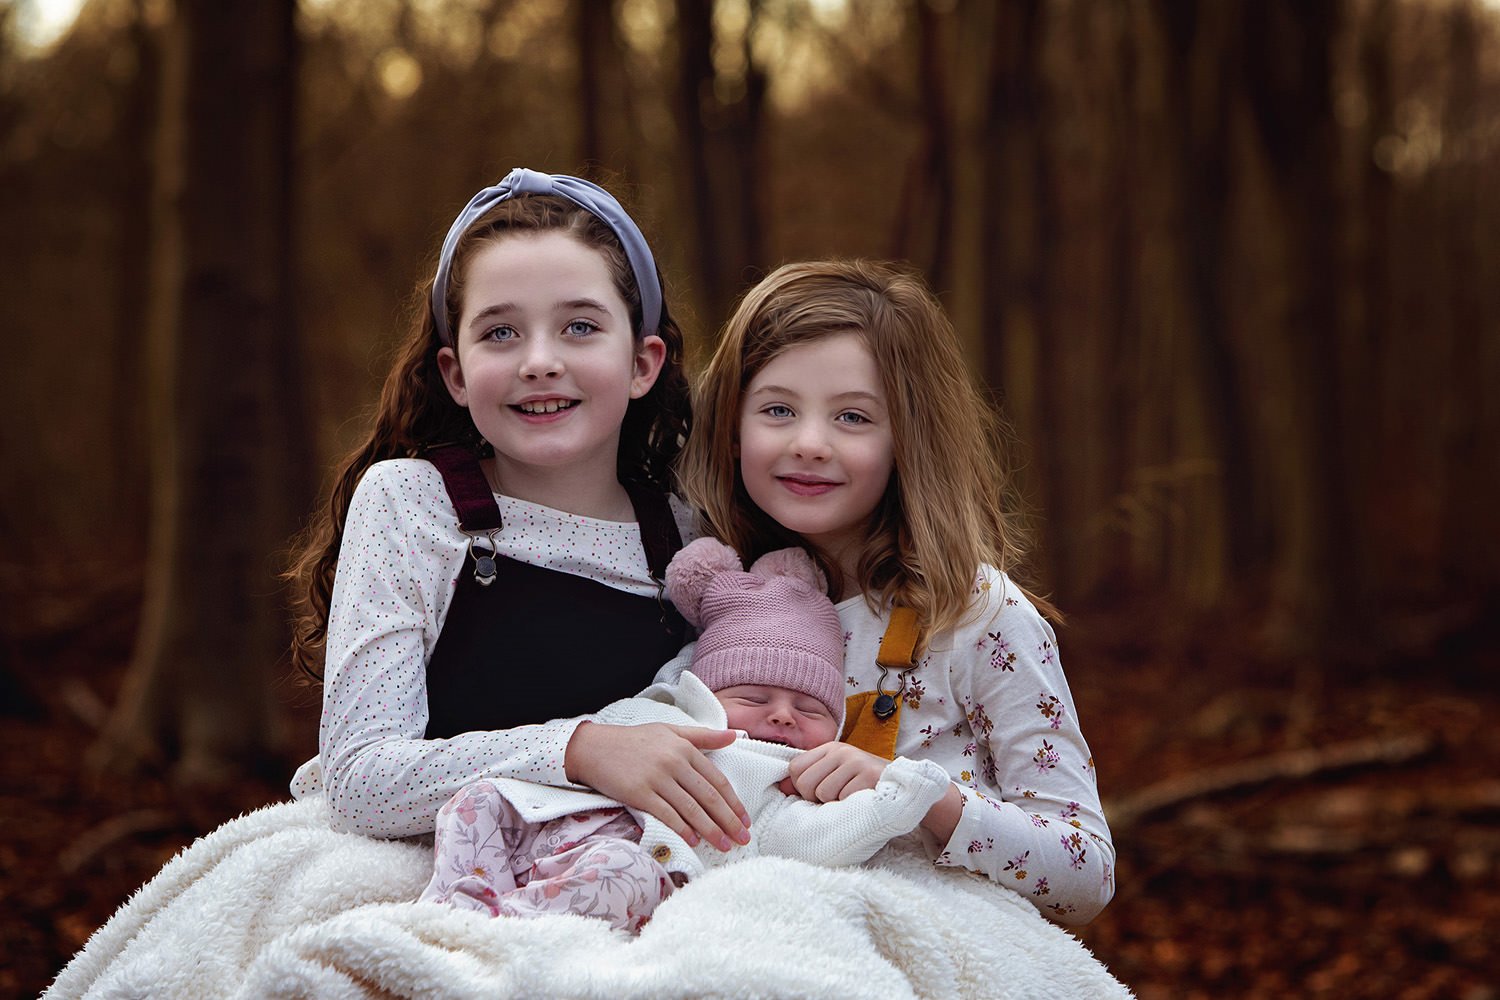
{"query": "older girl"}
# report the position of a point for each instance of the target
(492, 554)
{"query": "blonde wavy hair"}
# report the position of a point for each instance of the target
(942, 514)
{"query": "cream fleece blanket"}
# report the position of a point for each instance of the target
(276, 904)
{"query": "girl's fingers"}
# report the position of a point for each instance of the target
(809, 781)
(834, 771)
(661, 770)
(705, 739)
(695, 820)
(806, 759)
(717, 797)
(842, 783)
(668, 817)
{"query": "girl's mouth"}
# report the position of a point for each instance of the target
(806, 487)
(542, 407)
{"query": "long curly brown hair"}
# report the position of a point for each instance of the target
(416, 411)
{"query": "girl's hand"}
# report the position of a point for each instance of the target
(660, 769)
(832, 772)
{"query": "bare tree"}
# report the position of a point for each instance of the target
(924, 220)
(720, 118)
(1469, 548)
(1368, 306)
(229, 443)
(132, 187)
(1288, 87)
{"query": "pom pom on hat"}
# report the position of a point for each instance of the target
(693, 568)
(772, 626)
(795, 563)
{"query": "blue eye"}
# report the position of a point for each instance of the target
(850, 417)
(581, 327)
(501, 332)
(778, 411)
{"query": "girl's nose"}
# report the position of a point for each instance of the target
(810, 442)
(541, 360)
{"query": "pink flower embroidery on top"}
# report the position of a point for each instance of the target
(1046, 758)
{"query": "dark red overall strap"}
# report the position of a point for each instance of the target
(467, 487)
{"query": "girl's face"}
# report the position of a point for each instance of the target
(546, 363)
(815, 444)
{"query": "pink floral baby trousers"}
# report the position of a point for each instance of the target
(488, 858)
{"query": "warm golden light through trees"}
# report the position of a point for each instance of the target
(1231, 267)
(1225, 263)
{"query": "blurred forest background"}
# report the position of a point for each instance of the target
(1231, 267)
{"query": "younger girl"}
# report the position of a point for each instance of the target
(492, 554)
(837, 413)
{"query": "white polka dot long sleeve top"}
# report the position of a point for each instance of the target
(398, 568)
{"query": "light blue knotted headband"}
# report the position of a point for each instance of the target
(580, 192)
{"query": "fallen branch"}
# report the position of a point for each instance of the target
(85, 704)
(98, 839)
(1288, 765)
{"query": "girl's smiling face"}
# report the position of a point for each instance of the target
(815, 445)
(546, 363)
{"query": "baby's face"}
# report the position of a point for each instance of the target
(778, 715)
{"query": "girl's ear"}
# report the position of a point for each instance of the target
(649, 357)
(453, 375)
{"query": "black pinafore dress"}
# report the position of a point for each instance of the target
(535, 644)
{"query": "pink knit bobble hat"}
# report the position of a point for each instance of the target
(773, 625)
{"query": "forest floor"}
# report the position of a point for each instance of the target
(1322, 831)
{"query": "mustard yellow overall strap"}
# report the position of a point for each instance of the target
(899, 643)
(862, 726)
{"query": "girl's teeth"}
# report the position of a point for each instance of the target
(550, 406)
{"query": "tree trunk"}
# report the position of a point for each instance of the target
(133, 185)
(229, 453)
(1288, 83)
(605, 116)
(591, 36)
(924, 221)
(1470, 555)
(719, 122)
(1370, 307)
(1109, 573)
(1216, 530)
(1017, 209)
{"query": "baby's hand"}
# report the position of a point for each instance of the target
(832, 772)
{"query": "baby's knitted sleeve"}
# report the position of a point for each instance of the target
(851, 830)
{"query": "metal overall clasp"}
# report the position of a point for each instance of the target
(485, 570)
